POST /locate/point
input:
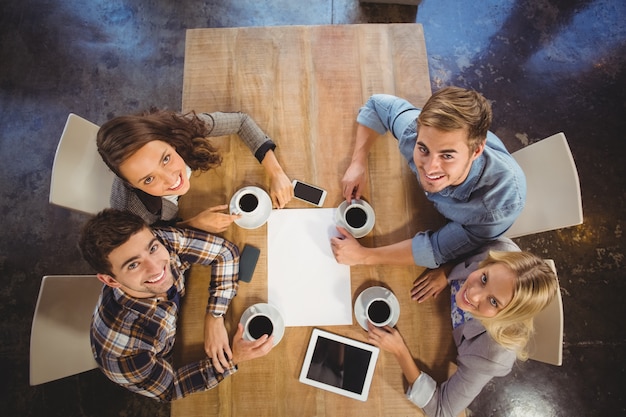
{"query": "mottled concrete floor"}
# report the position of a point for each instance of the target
(548, 66)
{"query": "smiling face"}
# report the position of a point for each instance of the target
(487, 290)
(443, 158)
(140, 266)
(157, 169)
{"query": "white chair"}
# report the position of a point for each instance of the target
(80, 179)
(546, 344)
(59, 338)
(553, 198)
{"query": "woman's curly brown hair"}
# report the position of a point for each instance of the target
(122, 136)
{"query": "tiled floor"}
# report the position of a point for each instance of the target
(548, 66)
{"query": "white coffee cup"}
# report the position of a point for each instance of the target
(258, 325)
(246, 203)
(368, 299)
(260, 319)
(357, 217)
(379, 312)
(253, 205)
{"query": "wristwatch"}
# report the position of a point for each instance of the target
(217, 315)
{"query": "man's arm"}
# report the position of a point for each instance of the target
(196, 247)
(379, 115)
(428, 249)
(216, 342)
(150, 373)
(222, 289)
(355, 176)
(451, 242)
(134, 351)
(349, 251)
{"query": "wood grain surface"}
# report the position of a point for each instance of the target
(304, 86)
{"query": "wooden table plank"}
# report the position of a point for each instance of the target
(304, 86)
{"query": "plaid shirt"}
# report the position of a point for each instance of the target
(132, 338)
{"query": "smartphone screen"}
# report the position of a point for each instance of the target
(309, 193)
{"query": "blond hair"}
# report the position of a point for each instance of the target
(535, 287)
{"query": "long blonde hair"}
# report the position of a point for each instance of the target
(535, 287)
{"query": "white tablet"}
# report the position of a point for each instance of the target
(339, 364)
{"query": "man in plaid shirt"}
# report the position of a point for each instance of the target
(134, 324)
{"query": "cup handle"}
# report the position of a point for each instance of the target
(234, 208)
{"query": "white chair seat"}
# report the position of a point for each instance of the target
(553, 198)
(546, 344)
(59, 339)
(80, 179)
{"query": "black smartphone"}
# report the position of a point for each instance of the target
(309, 193)
(247, 262)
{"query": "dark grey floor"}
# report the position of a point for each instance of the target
(548, 66)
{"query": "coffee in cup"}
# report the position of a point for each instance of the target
(258, 325)
(247, 202)
(355, 216)
(378, 312)
(260, 319)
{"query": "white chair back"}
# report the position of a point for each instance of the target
(546, 344)
(553, 198)
(80, 179)
(59, 338)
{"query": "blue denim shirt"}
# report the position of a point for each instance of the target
(478, 211)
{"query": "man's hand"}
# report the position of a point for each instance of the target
(353, 180)
(244, 350)
(216, 342)
(355, 177)
(211, 220)
(347, 249)
(430, 284)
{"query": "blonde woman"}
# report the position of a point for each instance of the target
(495, 295)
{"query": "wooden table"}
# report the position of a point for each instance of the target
(304, 85)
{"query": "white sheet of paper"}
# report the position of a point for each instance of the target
(305, 282)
